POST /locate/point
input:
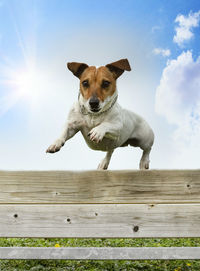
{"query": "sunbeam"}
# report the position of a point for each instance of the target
(22, 80)
(24, 84)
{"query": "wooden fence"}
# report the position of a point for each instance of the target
(100, 204)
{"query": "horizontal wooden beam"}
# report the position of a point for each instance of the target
(100, 220)
(152, 186)
(101, 253)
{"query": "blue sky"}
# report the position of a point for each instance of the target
(37, 38)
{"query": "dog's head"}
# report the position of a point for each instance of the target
(98, 85)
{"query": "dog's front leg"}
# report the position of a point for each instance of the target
(105, 162)
(105, 129)
(69, 131)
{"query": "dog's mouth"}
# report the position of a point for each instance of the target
(95, 110)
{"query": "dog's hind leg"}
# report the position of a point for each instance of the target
(144, 162)
(105, 162)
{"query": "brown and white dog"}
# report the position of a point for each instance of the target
(101, 120)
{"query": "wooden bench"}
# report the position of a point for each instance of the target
(100, 204)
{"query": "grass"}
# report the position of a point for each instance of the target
(61, 265)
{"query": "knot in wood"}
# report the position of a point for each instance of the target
(135, 228)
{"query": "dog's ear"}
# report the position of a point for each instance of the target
(77, 68)
(118, 67)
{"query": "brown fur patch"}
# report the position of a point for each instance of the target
(118, 67)
(95, 77)
(77, 68)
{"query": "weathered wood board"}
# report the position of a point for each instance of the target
(100, 220)
(58, 187)
(95, 204)
(101, 253)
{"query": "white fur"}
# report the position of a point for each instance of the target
(107, 130)
(85, 106)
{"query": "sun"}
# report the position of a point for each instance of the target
(22, 81)
(28, 84)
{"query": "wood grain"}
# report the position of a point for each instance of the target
(100, 220)
(59, 187)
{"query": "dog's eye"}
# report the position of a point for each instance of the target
(85, 83)
(105, 84)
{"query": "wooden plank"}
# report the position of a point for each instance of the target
(152, 186)
(101, 253)
(100, 220)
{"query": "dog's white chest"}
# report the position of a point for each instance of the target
(106, 144)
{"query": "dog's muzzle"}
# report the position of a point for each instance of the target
(94, 104)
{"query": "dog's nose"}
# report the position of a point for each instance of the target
(94, 103)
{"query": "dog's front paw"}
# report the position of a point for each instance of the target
(96, 134)
(56, 146)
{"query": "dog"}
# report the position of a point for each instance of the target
(104, 124)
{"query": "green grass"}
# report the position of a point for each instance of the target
(59, 265)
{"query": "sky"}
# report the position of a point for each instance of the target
(161, 40)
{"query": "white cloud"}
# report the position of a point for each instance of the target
(184, 29)
(163, 52)
(178, 100)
